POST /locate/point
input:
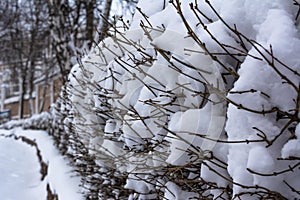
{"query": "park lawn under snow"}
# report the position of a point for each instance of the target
(20, 176)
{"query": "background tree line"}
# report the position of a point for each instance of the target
(42, 38)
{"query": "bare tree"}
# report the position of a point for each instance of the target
(25, 41)
(104, 24)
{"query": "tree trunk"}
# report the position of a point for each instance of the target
(104, 25)
(90, 6)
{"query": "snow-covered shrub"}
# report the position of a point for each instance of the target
(197, 99)
(36, 122)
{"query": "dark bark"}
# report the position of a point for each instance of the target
(90, 16)
(104, 25)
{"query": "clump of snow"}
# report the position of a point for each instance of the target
(174, 192)
(292, 147)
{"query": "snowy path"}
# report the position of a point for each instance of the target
(20, 177)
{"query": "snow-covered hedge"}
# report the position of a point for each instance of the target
(197, 99)
(40, 121)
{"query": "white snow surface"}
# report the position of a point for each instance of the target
(20, 176)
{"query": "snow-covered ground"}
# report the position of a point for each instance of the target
(20, 176)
